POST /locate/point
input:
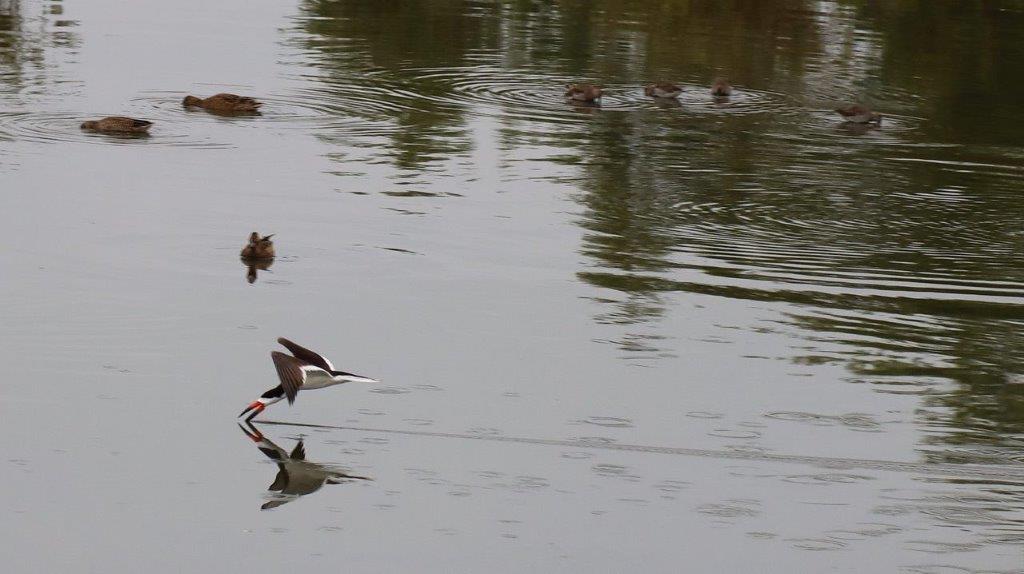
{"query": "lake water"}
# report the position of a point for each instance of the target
(706, 336)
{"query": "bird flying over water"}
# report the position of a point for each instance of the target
(302, 370)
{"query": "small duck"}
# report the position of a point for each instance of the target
(223, 103)
(258, 247)
(721, 88)
(118, 125)
(582, 92)
(859, 114)
(662, 90)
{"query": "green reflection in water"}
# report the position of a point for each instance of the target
(896, 249)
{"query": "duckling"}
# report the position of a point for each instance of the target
(258, 247)
(721, 88)
(223, 103)
(662, 90)
(118, 124)
(582, 92)
(859, 114)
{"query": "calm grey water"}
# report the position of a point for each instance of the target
(707, 336)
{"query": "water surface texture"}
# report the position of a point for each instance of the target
(707, 335)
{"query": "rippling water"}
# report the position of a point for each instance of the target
(734, 321)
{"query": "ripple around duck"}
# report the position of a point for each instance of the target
(310, 109)
(356, 109)
(827, 127)
(497, 92)
(953, 249)
(64, 127)
(531, 96)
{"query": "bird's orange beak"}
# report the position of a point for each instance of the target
(256, 408)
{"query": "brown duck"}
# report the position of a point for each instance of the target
(859, 114)
(223, 103)
(258, 247)
(721, 88)
(118, 125)
(582, 92)
(662, 90)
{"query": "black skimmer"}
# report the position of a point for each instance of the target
(295, 475)
(305, 370)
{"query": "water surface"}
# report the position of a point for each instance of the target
(640, 334)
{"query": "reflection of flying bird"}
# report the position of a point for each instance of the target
(305, 370)
(295, 475)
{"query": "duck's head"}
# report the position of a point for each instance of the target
(89, 125)
(191, 101)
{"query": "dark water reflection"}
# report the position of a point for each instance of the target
(296, 477)
(896, 247)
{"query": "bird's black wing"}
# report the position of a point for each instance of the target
(280, 481)
(306, 355)
(289, 370)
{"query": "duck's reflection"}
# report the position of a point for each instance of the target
(296, 476)
(254, 266)
(856, 129)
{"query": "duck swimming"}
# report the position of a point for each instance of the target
(223, 103)
(859, 114)
(582, 92)
(118, 124)
(662, 90)
(721, 88)
(258, 247)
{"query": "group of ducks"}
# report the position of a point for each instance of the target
(720, 88)
(589, 93)
(218, 103)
